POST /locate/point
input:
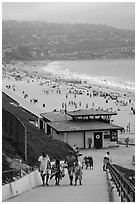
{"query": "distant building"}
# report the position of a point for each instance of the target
(87, 128)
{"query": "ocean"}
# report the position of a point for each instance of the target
(116, 73)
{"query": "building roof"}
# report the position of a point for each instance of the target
(90, 112)
(55, 116)
(73, 126)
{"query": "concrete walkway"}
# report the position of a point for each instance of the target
(94, 188)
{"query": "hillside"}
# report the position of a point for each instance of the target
(25, 40)
(38, 141)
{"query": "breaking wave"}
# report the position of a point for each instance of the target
(60, 71)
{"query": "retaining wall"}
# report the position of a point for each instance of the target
(17, 187)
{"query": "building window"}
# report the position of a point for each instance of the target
(107, 135)
(113, 136)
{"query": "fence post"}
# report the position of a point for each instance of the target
(25, 144)
(10, 125)
(133, 159)
(17, 131)
(5, 118)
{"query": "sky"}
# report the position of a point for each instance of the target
(116, 14)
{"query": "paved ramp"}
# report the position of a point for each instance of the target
(93, 189)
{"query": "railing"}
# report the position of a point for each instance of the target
(122, 138)
(8, 176)
(11, 175)
(125, 188)
(122, 141)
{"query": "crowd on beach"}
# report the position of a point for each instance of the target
(68, 95)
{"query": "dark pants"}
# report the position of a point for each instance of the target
(105, 164)
(43, 177)
(91, 165)
(57, 177)
(71, 172)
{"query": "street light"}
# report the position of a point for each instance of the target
(65, 133)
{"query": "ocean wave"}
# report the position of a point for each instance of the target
(56, 69)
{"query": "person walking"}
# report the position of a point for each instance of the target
(90, 159)
(70, 161)
(44, 167)
(78, 173)
(77, 151)
(106, 159)
(56, 171)
(127, 141)
(74, 147)
(86, 162)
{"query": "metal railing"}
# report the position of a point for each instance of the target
(122, 141)
(12, 175)
(124, 187)
(8, 176)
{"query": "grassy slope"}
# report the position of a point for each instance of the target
(38, 141)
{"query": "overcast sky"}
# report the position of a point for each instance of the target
(120, 15)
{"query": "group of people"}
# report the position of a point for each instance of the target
(57, 170)
(87, 162)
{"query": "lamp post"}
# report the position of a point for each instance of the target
(25, 141)
(129, 127)
(65, 137)
(65, 133)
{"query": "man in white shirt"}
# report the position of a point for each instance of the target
(44, 167)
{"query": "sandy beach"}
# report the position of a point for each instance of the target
(30, 84)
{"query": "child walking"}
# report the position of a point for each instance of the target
(56, 172)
